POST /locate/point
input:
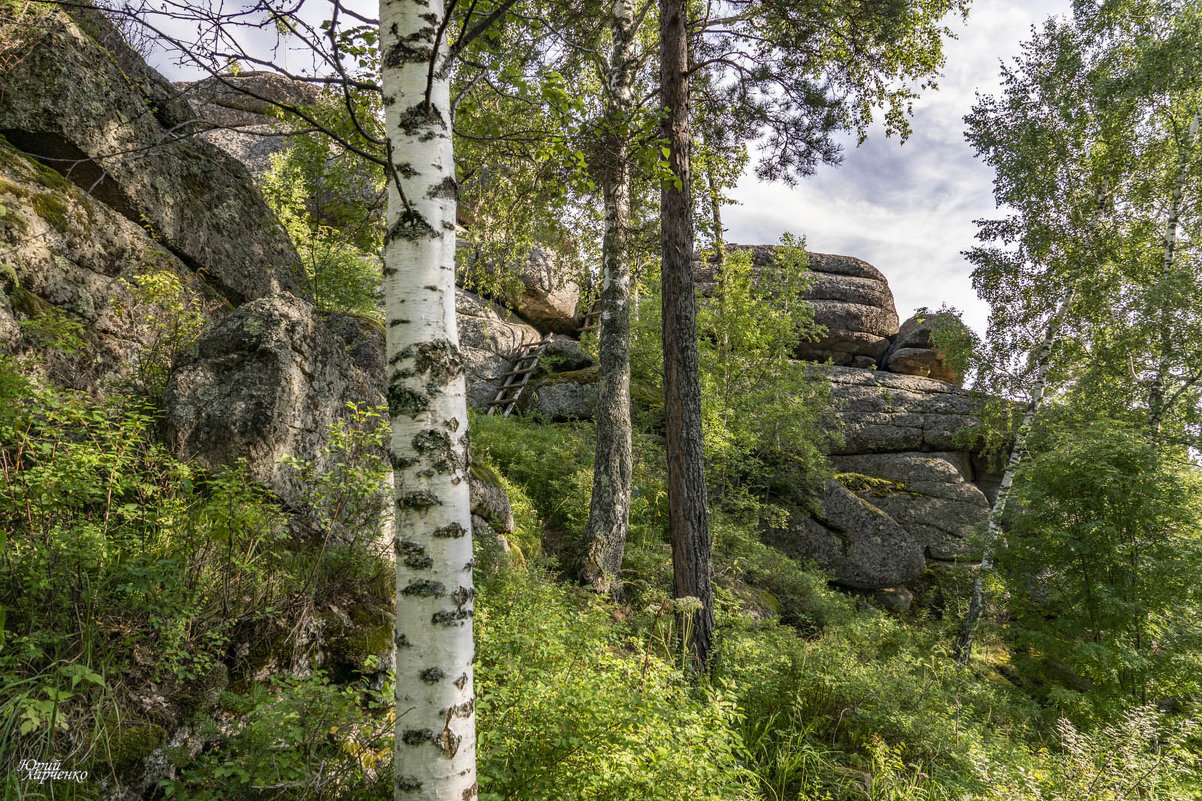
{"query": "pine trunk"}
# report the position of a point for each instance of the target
(609, 509)
(963, 647)
(435, 752)
(682, 389)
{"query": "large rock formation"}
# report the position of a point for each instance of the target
(538, 289)
(883, 412)
(64, 253)
(913, 351)
(489, 337)
(922, 492)
(243, 113)
(267, 382)
(65, 101)
(854, 540)
(851, 299)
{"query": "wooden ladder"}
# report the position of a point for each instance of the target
(514, 381)
(589, 323)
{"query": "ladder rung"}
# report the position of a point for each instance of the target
(523, 371)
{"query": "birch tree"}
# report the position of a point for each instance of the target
(1094, 143)
(435, 752)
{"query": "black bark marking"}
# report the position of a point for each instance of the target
(448, 740)
(410, 226)
(418, 736)
(426, 119)
(400, 462)
(447, 188)
(460, 682)
(435, 446)
(411, 50)
(453, 424)
(402, 641)
(414, 555)
(470, 793)
(408, 784)
(463, 710)
(433, 675)
(425, 589)
(419, 500)
(447, 617)
(461, 596)
(450, 531)
(407, 401)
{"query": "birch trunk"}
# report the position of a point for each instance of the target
(682, 390)
(963, 647)
(435, 752)
(1156, 394)
(609, 508)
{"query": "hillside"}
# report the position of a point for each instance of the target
(197, 592)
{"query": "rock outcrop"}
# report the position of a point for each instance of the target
(65, 101)
(929, 495)
(922, 493)
(267, 382)
(63, 252)
(851, 298)
(883, 412)
(851, 538)
(489, 335)
(914, 353)
(242, 113)
(541, 293)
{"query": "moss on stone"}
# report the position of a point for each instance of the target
(53, 209)
(349, 645)
(16, 190)
(128, 744)
(28, 303)
(588, 375)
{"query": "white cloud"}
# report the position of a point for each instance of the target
(908, 209)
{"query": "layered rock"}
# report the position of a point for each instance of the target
(883, 412)
(851, 299)
(562, 397)
(66, 101)
(922, 493)
(913, 351)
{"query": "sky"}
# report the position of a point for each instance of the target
(907, 208)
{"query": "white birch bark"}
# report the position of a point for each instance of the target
(435, 752)
(963, 647)
(1156, 395)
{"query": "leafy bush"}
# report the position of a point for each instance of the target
(1105, 542)
(572, 705)
(297, 738)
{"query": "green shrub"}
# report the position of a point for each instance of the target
(573, 705)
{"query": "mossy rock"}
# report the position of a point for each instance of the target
(349, 644)
(53, 209)
(127, 744)
(28, 303)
